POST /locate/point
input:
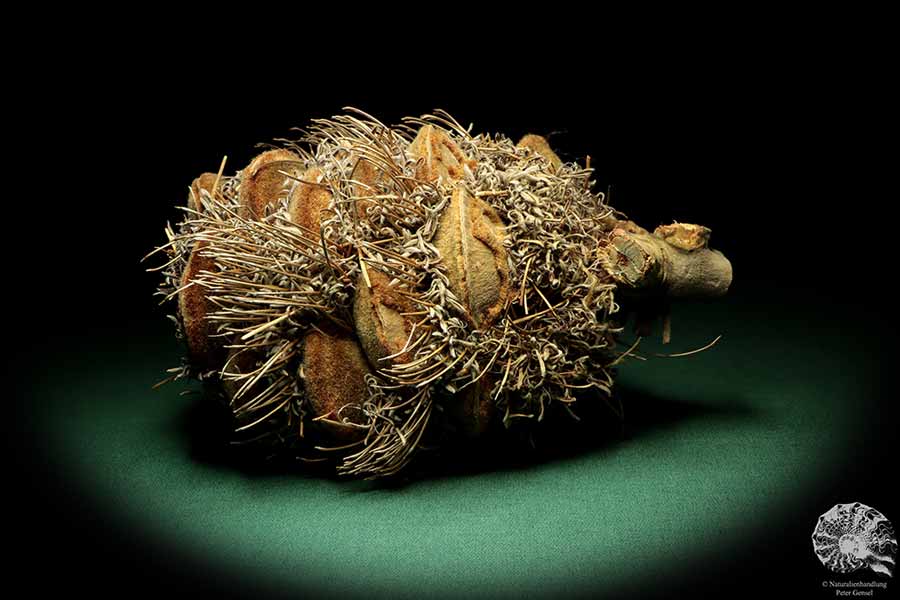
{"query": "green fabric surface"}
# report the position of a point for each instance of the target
(742, 430)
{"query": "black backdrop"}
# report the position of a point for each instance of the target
(777, 149)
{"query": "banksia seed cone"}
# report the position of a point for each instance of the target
(342, 291)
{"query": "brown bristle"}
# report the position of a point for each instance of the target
(470, 240)
(309, 201)
(440, 156)
(335, 369)
(540, 145)
(262, 184)
(383, 331)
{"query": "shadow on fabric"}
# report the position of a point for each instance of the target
(207, 426)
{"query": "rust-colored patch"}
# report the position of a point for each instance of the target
(193, 305)
(440, 158)
(309, 202)
(206, 181)
(334, 369)
(368, 178)
(261, 183)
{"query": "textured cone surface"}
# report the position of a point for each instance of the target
(193, 306)
(309, 201)
(262, 184)
(335, 368)
(540, 145)
(206, 181)
(482, 246)
(469, 238)
(382, 330)
(440, 156)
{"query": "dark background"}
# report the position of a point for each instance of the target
(777, 145)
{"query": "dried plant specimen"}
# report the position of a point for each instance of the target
(372, 290)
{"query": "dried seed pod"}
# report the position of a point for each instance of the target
(452, 249)
(441, 158)
(193, 306)
(262, 184)
(470, 240)
(206, 181)
(540, 145)
(334, 370)
(383, 331)
(309, 201)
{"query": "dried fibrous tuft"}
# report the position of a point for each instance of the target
(344, 288)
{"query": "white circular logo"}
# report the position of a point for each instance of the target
(853, 536)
